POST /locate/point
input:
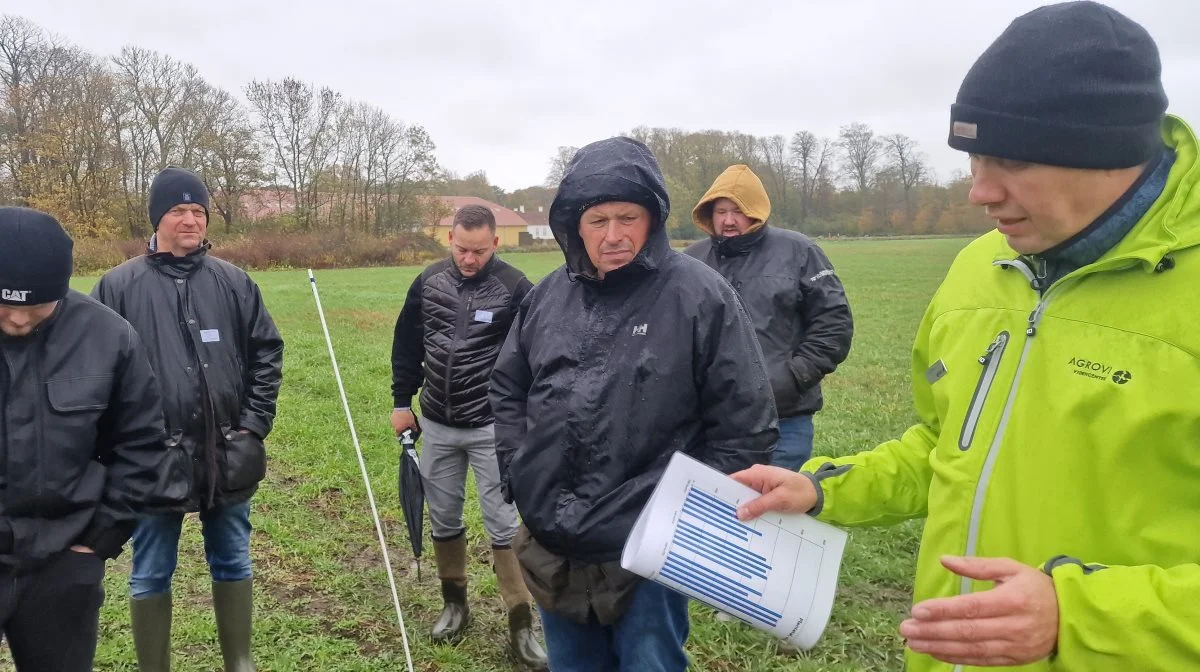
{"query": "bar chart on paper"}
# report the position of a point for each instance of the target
(778, 573)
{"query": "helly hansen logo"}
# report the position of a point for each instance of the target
(1095, 370)
(823, 274)
(639, 330)
(21, 295)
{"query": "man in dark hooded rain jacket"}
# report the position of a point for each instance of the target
(628, 353)
(788, 286)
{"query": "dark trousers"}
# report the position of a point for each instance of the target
(50, 615)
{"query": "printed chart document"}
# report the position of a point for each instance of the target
(778, 572)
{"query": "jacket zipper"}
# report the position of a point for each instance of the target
(991, 363)
(989, 463)
(460, 332)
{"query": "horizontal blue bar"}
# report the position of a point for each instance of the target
(689, 545)
(704, 588)
(746, 555)
(746, 608)
(722, 550)
(695, 566)
(706, 517)
(725, 507)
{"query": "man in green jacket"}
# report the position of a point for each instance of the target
(1057, 455)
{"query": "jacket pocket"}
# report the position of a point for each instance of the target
(70, 429)
(243, 460)
(990, 360)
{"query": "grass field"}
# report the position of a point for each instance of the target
(322, 596)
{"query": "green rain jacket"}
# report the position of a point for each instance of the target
(1061, 429)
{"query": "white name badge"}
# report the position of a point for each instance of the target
(210, 335)
(483, 316)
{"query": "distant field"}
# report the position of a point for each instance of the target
(323, 602)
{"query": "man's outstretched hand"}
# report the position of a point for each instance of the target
(1015, 623)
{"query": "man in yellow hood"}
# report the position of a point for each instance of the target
(1057, 453)
(798, 305)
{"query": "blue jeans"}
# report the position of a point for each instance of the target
(795, 442)
(648, 638)
(156, 548)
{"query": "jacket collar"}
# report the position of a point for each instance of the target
(737, 246)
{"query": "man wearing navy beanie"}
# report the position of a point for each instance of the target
(220, 357)
(1057, 454)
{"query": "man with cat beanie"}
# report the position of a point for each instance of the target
(81, 447)
(219, 357)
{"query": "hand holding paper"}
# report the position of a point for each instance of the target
(778, 573)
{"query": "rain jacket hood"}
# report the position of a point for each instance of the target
(739, 184)
(617, 169)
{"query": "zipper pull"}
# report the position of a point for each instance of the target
(987, 355)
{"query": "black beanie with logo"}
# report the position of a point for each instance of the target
(35, 257)
(172, 187)
(1076, 84)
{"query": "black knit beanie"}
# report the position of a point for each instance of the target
(173, 186)
(1076, 84)
(35, 257)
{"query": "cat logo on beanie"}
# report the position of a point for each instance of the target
(16, 295)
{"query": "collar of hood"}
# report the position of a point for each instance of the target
(172, 265)
(617, 169)
(739, 184)
(736, 246)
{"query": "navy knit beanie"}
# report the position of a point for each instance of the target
(35, 257)
(173, 186)
(1076, 84)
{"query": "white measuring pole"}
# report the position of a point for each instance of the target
(387, 563)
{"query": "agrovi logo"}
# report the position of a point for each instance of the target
(1090, 368)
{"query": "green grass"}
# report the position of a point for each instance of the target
(322, 596)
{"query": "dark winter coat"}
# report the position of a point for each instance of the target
(601, 381)
(798, 305)
(219, 361)
(81, 436)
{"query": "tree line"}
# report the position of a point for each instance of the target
(859, 183)
(81, 136)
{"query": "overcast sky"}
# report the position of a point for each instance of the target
(500, 86)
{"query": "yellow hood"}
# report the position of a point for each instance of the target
(739, 184)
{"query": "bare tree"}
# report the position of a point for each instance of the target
(23, 47)
(810, 158)
(861, 149)
(908, 166)
(773, 151)
(558, 166)
(228, 159)
(296, 122)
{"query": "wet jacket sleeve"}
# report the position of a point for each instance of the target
(509, 395)
(1126, 617)
(408, 349)
(890, 483)
(130, 446)
(736, 403)
(828, 324)
(264, 365)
